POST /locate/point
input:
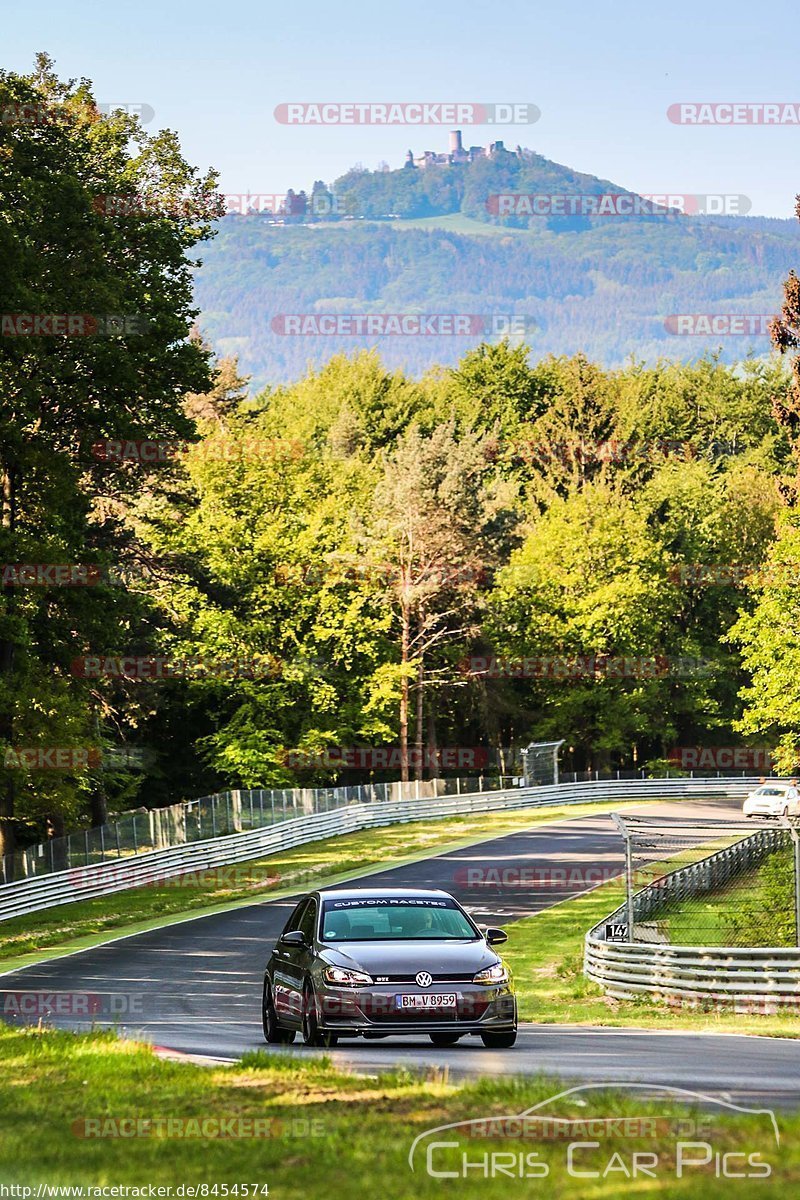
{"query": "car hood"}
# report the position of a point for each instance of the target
(408, 957)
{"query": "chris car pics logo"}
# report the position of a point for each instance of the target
(536, 1144)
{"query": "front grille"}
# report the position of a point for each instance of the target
(437, 979)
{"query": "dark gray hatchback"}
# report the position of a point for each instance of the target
(379, 963)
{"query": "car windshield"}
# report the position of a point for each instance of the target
(771, 791)
(383, 919)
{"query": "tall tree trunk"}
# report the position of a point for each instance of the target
(420, 740)
(404, 645)
(8, 513)
(98, 799)
(433, 749)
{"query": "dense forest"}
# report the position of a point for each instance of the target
(208, 583)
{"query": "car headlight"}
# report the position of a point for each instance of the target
(496, 974)
(345, 978)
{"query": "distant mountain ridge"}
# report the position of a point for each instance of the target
(610, 286)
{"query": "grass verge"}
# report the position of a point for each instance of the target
(545, 953)
(329, 1135)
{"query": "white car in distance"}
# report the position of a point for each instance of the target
(773, 800)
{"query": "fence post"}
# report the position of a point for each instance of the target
(796, 849)
(620, 824)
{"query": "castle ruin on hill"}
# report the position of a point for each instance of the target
(458, 153)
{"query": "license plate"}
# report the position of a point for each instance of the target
(426, 1000)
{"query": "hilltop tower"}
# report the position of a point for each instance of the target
(455, 142)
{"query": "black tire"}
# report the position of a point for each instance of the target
(273, 1033)
(499, 1039)
(444, 1039)
(312, 1034)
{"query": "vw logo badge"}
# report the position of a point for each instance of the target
(424, 979)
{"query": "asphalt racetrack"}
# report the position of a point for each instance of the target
(195, 987)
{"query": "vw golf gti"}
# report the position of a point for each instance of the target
(376, 964)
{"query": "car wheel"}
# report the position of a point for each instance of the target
(312, 1034)
(444, 1039)
(272, 1030)
(499, 1039)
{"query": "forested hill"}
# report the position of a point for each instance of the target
(608, 290)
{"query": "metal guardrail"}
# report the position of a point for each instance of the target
(144, 830)
(102, 879)
(751, 978)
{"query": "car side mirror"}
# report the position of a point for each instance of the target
(495, 936)
(295, 937)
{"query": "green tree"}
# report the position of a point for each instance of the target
(97, 218)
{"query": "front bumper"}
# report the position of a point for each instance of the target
(374, 1009)
(762, 810)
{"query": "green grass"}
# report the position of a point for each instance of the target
(755, 909)
(704, 920)
(458, 223)
(545, 953)
(332, 1135)
(89, 922)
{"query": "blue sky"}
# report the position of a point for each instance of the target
(602, 75)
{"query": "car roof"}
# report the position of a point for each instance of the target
(381, 892)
